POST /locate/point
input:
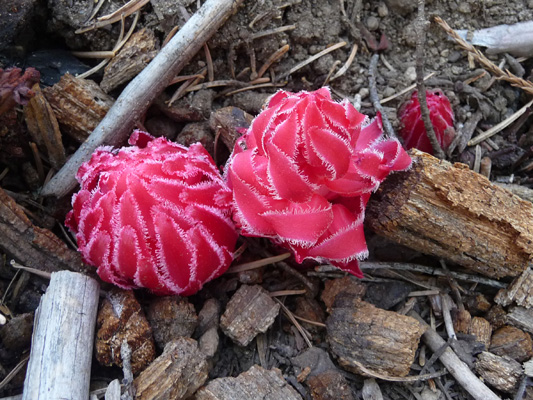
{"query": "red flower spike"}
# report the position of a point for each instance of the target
(441, 115)
(154, 215)
(302, 175)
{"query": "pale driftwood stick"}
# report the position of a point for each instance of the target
(139, 94)
(62, 342)
(455, 366)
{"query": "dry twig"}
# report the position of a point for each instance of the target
(374, 95)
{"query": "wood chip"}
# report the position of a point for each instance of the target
(31, 245)
(521, 318)
(79, 105)
(329, 385)
(451, 212)
(382, 341)
(136, 54)
(175, 374)
(43, 127)
(481, 329)
(228, 123)
(256, 383)
(512, 342)
(503, 373)
(520, 291)
(120, 319)
(171, 317)
(333, 287)
(249, 312)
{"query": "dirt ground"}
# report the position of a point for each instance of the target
(238, 50)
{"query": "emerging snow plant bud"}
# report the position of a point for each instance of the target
(304, 171)
(441, 115)
(155, 215)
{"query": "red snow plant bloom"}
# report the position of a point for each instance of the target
(441, 115)
(303, 173)
(155, 215)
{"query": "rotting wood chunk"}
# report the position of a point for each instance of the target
(512, 342)
(229, 123)
(450, 211)
(249, 312)
(175, 374)
(521, 318)
(520, 291)
(361, 335)
(136, 54)
(120, 319)
(79, 105)
(481, 329)
(256, 383)
(503, 373)
(171, 317)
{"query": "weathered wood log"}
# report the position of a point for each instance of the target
(452, 212)
(503, 373)
(175, 374)
(256, 383)
(62, 342)
(379, 340)
(512, 342)
(31, 245)
(249, 312)
(140, 92)
(79, 105)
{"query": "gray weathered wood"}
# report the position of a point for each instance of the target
(62, 342)
(139, 94)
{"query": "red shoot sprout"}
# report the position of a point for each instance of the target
(154, 215)
(441, 115)
(303, 173)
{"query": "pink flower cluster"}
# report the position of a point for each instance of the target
(441, 115)
(304, 171)
(155, 215)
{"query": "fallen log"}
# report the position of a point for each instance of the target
(448, 211)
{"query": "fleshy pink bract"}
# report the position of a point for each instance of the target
(303, 172)
(155, 215)
(412, 128)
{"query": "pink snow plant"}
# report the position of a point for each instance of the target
(304, 171)
(154, 215)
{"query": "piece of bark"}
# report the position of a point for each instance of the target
(520, 291)
(249, 312)
(452, 212)
(171, 317)
(79, 105)
(329, 385)
(137, 52)
(135, 99)
(229, 123)
(62, 342)
(461, 320)
(478, 304)
(521, 318)
(175, 374)
(361, 334)
(502, 373)
(459, 370)
(309, 308)
(44, 128)
(255, 384)
(497, 317)
(207, 329)
(31, 245)
(120, 319)
(512, 342)
(481, 329)
(347, 284)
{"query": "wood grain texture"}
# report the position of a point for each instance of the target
(452, 212)
(62, 342)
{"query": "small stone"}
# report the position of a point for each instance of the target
(383, 11)
(464, 8)
(410, 74)
(372, 23)
(364, 92)
(197, 132)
